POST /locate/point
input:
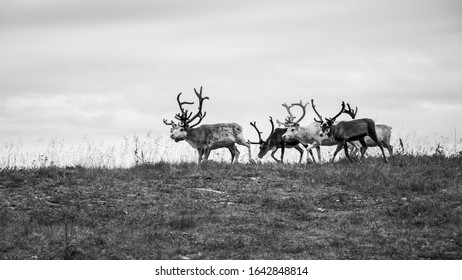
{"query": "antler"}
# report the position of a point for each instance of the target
(350, 111)
(199, 113)
(319, 116)
(336, 116)
(272, 125)
(182, 103)
(282, 123)
(289, 121)
(168, 123)
(303, 108)
(186, 118)
(254, 124)
(290, 118)
(183, 115)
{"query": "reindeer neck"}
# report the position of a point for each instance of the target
(332, 131)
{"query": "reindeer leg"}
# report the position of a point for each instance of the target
(355, 148)
(383, 153)
(206, 152)
(312, 156)
(201, 153)
(300, 150)
(363, 148)
(237, 153)
(389, 147)
(283, 149)
(232, 150)
(345, 147)
(339, 147)
(250, 153)
(274, 157)
(243, 142)
(318, 150)
(373, 136)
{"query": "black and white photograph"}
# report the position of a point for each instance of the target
(272, 132)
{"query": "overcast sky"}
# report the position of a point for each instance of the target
(109, 68)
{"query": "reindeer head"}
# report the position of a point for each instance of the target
(180, 131)
(265, 146)
(325, 128)
(174, 126)
(329, 123)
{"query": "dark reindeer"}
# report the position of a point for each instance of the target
(383, 132)
(307, 135)
(348, 131)
(207, 137)
(275, 142)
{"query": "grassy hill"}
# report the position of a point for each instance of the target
(410, 208)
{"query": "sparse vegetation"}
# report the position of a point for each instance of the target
(410, 208)
(153, 148)
(146, 198)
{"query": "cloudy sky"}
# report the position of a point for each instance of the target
(104, 68)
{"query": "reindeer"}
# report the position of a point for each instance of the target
(307, 135)
(207, 137)
(383, 133)
(348, 131)
(275, 142)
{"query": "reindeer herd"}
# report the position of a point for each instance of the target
(353, 136)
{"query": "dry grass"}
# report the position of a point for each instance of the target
(145, 198)
(152, 148)
(408, 209)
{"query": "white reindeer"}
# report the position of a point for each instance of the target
(308, 135)
(207, 137)
(383, 134)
